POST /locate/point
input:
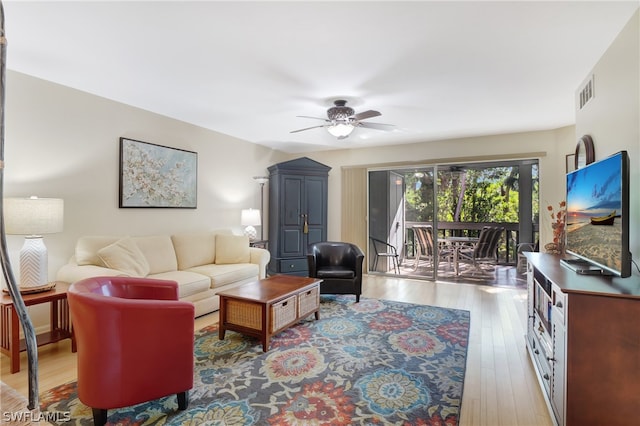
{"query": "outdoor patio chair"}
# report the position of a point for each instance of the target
(385, 250)
(484, 251)
(521, 265)
(426, 246)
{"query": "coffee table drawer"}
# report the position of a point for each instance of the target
(244, 314)
(283, 313)
(308, 301)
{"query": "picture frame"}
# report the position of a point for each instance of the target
(157, 176)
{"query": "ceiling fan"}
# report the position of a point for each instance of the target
(342, 120)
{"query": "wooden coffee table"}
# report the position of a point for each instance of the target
(266, 307)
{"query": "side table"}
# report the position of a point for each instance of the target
(263, 244)
(61, 327)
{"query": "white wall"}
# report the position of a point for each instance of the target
(554, 144)
(64, 143)
(612, 117)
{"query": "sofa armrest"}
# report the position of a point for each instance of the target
(261, 258)
(71, 272)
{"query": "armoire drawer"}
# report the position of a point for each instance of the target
(293, 265)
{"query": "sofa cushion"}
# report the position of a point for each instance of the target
(193, 249)
(87, 249)
(124, 255)
(189, 283)
(158, 249)
(222, 275)
(232, 249)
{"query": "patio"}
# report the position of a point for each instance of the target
(418, 263)
(501, 276)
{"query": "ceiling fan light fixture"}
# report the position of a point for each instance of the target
(340, 129)
(342, 120)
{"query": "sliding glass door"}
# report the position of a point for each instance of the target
(414, 210)
(399, 199)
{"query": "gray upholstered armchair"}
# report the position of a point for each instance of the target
(339, 265)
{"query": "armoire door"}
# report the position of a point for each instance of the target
(292, 221)
(315, 211)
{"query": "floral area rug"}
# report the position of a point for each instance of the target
(373, 362)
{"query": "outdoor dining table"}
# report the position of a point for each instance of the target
(456, 244)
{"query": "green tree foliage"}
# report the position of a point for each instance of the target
(465, 195)
(419, 197)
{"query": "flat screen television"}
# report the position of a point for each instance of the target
(598, 217)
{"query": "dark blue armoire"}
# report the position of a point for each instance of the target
(297, 213)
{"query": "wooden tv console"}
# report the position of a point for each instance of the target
(583, 336)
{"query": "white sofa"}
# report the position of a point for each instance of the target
(203, 263)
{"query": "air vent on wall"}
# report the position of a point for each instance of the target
(586, 94)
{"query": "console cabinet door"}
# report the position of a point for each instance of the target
(558, 373)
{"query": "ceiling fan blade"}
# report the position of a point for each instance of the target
(377, 126)
(306, 128)
(366, 114)
(315, 118)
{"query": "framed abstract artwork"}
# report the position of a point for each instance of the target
(156, 176)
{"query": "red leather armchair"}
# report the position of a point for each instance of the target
(135, 342)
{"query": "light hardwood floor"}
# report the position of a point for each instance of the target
(500, 385)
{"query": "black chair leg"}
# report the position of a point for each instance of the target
(357, 298)
(99, 416)
(183, 400)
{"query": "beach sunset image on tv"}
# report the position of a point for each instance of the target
(594, 212)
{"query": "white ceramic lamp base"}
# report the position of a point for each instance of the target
(251, 232)
(33, 263)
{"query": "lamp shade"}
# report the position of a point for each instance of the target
(250, 217)
(33, 215)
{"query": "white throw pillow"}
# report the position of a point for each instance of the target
(194, 249)
(87, 248)
(124, 255)
(232, 249)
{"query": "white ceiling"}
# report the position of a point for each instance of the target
(436, 70)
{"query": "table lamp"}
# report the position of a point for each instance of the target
(250, 218)
(33, 217)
